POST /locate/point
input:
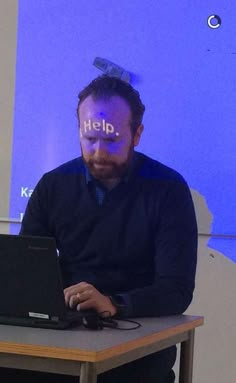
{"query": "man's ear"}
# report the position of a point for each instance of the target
(138, 134)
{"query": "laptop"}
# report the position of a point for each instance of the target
(31, 289)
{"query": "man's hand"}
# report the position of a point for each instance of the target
(83, 296)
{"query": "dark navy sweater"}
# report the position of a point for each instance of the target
(141, 242)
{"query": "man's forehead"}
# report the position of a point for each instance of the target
(113, 107)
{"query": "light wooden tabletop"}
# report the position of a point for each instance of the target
(81, 344)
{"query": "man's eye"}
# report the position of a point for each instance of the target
(90, 139)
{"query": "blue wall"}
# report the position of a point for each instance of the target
(185, 72)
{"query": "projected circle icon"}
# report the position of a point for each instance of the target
(214, 21)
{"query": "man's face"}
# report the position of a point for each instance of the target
(107, 143)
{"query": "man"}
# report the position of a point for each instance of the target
(124, 223)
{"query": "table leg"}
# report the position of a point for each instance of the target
(186, 359)
(88, 373)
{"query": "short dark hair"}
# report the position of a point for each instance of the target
(105, 86)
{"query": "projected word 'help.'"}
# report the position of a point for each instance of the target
(98, 126)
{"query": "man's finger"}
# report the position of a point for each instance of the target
(73, 301)
(85, 295)
(68, 297)
(76, 288)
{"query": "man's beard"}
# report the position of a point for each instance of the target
(111, 169)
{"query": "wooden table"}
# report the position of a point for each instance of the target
(84, 352)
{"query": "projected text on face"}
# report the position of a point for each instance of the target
(98, 126)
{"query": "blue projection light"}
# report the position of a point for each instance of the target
(57, 55)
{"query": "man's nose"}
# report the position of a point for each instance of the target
(100, 148)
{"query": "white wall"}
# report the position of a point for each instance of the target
(8, 26)
(214, 298)
(214, 360)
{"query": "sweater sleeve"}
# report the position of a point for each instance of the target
(175, 259)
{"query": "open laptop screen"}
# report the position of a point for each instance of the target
(30, 280)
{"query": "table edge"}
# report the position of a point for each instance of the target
(97, 356)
